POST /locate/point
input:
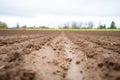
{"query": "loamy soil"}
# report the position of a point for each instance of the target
(59, 55)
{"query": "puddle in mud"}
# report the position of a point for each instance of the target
(73, 72)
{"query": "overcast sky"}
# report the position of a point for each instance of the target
(57, 12)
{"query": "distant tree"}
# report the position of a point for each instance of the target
(100, 27)
(24, 26)
(74, 25)
(44, 27)
(112, 25)
(90, 25)
(104, 26)
(66, 27)
(3, 25)
(18, 26)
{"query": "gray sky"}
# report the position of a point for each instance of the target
(54, 12)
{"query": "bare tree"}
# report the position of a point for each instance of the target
(18, 26)
(90, 25)
(74, 25)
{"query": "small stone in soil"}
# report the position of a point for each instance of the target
(118, 78)
(81, 71)
(88, 67)
(100, 65)
(64, 75)
(77, 62)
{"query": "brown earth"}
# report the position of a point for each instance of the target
(59, 55)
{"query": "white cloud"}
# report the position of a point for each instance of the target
(55, 12)
(60, 7)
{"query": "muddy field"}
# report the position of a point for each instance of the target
(59, 55)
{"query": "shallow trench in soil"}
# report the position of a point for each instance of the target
(73, 72)
(55, 61)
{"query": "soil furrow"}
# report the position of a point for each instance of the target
(59, 55)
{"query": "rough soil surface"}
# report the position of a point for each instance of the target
(58, 55)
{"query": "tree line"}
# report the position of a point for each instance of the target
(72, 25)
(112, 26)
(89, 25)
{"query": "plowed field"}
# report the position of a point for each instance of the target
(59, 55)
